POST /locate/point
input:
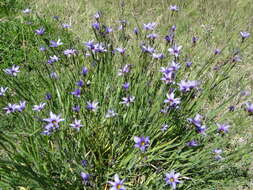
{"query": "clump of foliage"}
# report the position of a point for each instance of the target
(129, 104)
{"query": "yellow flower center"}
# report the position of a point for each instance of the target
(142, 143)
(172, 179)
(118, 186)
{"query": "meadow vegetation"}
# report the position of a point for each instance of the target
(118, 95)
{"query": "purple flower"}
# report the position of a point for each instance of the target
(147, 49)
(110, 113)
(188, 64)
(169, 38)
(120, 27)
(141, 142)
(77, 92)
(152, 36)
(231, 108)
(117, 184)
(84, 71)
(97, 15)
(84, 163)
(194, 39)
(216, 68)
(164, 127)
(124, 70)
(168, 78)
(173, 28)
(40, 31)
(165, 110)
(166, 70)
(29, 23)
(54, 119)
(172, 179)
(56, 17)
(3, 91)
(76, 125)
(85, 177)
(127, 100)
(42, 48)
(171, 100)
(21, 106)
(69, 52)
(48, 96)
(174, 66)
(192, 143)
(201, 129)
(245, 93)
(93, 106)
(54, 75)
(53, 59)
(217, 51)
(123, 24)
(39, 107)
(108, 30)
(249, 107)
(12, 71)
(52, 123)
(244, 35)
(96, 26)
(66, 26)
(26, 11)
(126, 85)
(80, 83)
(158, 55)
(76, 108)
(186, 86)
(90, 44)
(175, 50)
(236, 58)
(217, 151)
(121, 50)
(149, 26)
(197, 120)
(173, 8)
(223, 128)
(55, 43)
(10, 108)
(99, 48)
(217, 154)
(136, 31)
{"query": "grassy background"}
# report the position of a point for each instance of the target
(217, 22)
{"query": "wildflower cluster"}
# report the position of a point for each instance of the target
(126, 108)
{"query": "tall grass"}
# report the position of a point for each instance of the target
(104, 146)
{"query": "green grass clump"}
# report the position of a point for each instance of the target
(31, 159)
(11, 7)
